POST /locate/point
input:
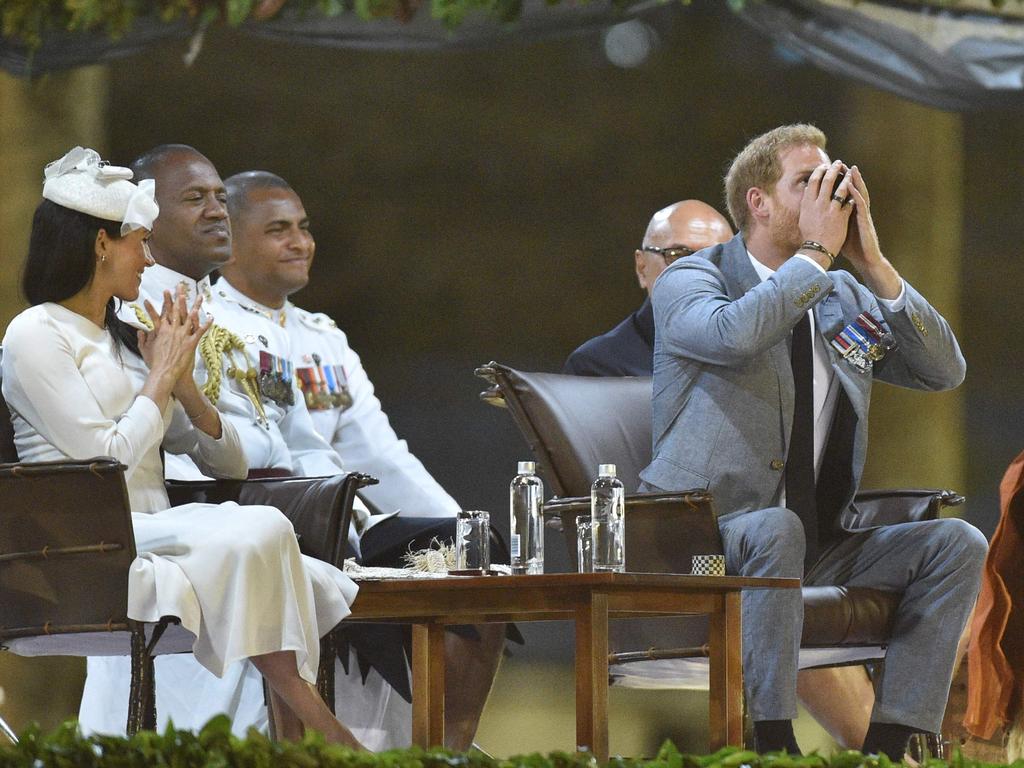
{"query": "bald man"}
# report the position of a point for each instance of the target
(674, 232)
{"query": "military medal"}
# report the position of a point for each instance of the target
(863, 342)
(324, 386)
(340, 396)
(275, 379)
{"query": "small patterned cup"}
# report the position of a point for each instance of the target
(708, 565)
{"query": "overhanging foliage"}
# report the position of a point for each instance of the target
(29, 20)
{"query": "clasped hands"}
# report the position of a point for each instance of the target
(840, 220)
(170, 347)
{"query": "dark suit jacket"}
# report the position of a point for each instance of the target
(626, 350)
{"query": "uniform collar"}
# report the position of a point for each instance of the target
(226, 290)
(158, 278)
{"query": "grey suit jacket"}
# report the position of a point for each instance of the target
(723, 384)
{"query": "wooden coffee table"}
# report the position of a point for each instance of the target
(588, 599)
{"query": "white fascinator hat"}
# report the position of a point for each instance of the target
(83, 182)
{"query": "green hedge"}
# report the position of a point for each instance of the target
(216, 747)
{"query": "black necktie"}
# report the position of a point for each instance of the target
(800, 486)
(835, 478)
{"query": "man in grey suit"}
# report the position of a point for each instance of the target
(763, 366)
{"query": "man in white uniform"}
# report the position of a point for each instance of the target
(273, 250)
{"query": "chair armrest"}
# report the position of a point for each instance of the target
(888, 507)
(98, 465)
(568, 507)
(663, 530)
(320, 508)
(835, 615)
(66, 544)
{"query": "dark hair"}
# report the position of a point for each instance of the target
(146, 165)
(62, 260)
(241, 185)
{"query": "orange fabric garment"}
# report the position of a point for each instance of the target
(995, 659)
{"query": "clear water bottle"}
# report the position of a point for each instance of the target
(526, 520)
(608, 515)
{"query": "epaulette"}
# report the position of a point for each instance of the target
(276, 317)
(318, 321)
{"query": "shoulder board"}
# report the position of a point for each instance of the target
(318, 321)
(222, 296)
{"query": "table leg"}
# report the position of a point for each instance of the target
(428, 667)
(592, 676)
(725, 699)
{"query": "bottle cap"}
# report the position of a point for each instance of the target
(527, 467)
(606, 470)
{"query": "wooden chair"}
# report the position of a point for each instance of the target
(573, 423)
(66, 544)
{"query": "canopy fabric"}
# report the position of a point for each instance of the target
(950, 58)
(961, 58)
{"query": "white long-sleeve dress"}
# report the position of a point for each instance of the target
(232, 574)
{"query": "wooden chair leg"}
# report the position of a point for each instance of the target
(136, 694)
(149, 711)
(142, 694)
(325, 672)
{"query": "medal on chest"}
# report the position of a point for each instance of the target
(275, 379)
(324, 386)
(863, 342)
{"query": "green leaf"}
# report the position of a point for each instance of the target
(238, 11)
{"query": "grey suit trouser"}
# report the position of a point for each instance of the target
(935, 564)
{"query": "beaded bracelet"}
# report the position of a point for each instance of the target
(813, 245)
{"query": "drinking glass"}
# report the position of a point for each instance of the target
(473, 541)
(584, 544)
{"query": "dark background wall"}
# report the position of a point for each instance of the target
(479, 205)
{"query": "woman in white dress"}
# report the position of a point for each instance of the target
(232, 574)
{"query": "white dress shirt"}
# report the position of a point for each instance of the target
(825, 383)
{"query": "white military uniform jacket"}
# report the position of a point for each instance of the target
(346, 413)
(274, 435)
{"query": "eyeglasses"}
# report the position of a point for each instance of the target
(671, 253)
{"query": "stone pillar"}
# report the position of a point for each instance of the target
(913, 162)
(39, 122)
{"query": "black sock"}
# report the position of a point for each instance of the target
(887, 738)
(775, 736)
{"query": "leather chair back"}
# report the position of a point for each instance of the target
(66, 542)
(319, 508)
(574, 423)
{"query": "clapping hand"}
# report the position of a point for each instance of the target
(824, 214)
(170, 346)
(861, 246)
